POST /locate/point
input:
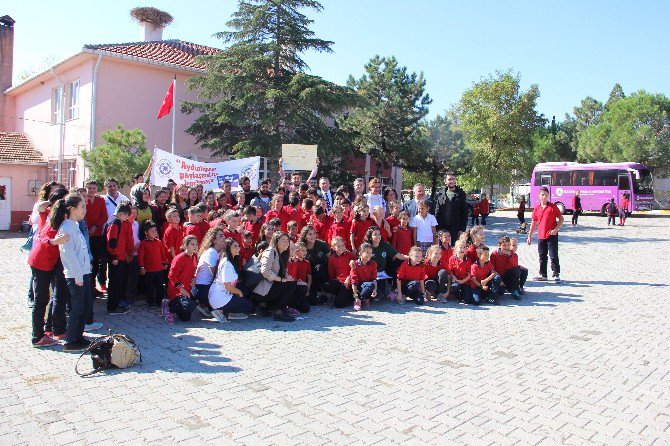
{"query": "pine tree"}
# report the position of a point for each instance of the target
(616, 94)
(255, 94)
(393, 102)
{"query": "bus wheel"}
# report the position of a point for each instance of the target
(603, 210)
(561, 207)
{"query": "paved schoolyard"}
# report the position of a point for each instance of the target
(583, 362)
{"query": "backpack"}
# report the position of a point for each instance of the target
(611, 208)
(114, 350)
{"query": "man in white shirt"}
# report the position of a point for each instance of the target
(113, 198)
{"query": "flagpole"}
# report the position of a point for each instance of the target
(174, 108)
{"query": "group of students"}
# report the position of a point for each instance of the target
(226, 255)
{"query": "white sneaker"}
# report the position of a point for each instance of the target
(219, 316)
(237, 316)
(93, 326)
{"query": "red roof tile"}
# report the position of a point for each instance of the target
(175, 52)
(16, 148)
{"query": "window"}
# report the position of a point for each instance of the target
(624, 181)
(56, 105)
(605, 178)
(561, 179)
(67, 175)
(73, 100)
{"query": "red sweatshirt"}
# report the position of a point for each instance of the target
(459, 268)
(96, 215)
(408, 273)
(340, 229)
(364, 273)
(299, 269)
(182, 272)
(338, 266)
(471, 253)
(431, 271)
(447, 253)
(294, 214)
(194, 229)
(152, 255)
(44, 256)
(120, 241)
(283, 216)
(359, 228)
(172, 238)
(480, 272)
(254, 228)
(322, 226)
(403, 240)
(502, 262)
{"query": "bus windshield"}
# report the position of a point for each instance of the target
(644, 184)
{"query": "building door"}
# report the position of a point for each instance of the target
(5, 203)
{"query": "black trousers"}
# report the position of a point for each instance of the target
(319, 277)
(343, 295)
(575, 215)
(300, 300)
(549, 246)
(439, 285)
(280, 295)
(118, 278)
(60, 301)
(40, 284)
(154, 287)
(98, 260)
(412, 289)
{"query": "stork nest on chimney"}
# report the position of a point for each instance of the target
(151, 15)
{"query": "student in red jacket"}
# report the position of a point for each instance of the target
(360, 225)
(484, 209)
(438, 280)
(411, 277)
(152, 260)
(475, 239)
(192, 226)
(301, 270)
(485, 282)
(506, 264)
(252, 223)
(403, 237)
(340, 227)
(322, 223)
(180, 280)
(444, 241)
(339, 270)
(173, 233)
(96, 217)
(279, 212)
(294, 210)
(364, 277)
(459, 266)
(120, 246)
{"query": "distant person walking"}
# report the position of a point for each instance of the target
(623, 209)
(576, 207)
(548, 221)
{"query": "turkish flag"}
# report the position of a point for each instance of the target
(168, 102)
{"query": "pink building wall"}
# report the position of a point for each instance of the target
(21, 200)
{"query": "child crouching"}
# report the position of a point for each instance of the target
(364, 277)
(411, 276)
(485, 281)
(180, 280)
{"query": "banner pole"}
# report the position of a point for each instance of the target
(174, 108)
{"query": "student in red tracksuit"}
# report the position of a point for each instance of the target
(301, 270)
(475, 238)
(339, 270)
(152, 260)
(233, 221)
(96, 217)
(252, 223)
(506, 264)
(459, 266)
(294, 210)
(438, 278)
(403, 237)
(484, 280)
(444, 240)
(173, 233)
(364, 277)
(360, 225)
(322, 222)
(340, 227)
(484, 209)
(192, 226)
(411, 277)
(279, 212)
(180, 280)
(120, 246)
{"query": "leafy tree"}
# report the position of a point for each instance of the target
(122, 155)
(393, 103)
(498, 121)
(635, 128)
(255, 94)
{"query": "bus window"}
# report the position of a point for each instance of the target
(624, 181)
(561, 179)
(584, 178)
(644, 184)
(546, 180)
(538, 175)
(605, 177)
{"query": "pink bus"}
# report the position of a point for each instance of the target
(597, 183)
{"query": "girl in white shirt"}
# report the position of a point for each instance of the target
(424, 225)
(208, 258)
(225, 295)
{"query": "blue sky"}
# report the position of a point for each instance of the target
(571, 49)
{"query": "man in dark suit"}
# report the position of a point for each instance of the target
(451, 208)
(412, 206)
(327, 196)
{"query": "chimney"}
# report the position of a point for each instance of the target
(152, 21)
(151, 32)
(6, 68)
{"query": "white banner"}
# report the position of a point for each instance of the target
(211, 175)
(298, 157)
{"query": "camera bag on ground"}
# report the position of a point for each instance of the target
(114, 350)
